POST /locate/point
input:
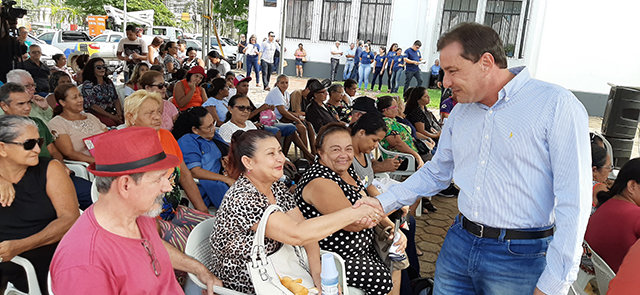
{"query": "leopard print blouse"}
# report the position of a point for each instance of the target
(232, 237)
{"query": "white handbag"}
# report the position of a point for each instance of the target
(288, 261)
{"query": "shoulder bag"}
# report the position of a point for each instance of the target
(288, 261)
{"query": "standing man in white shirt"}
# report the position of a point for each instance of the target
(268, 50)
(519, 150)
(336, 53)
(132, 50)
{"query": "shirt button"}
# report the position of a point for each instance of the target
(507, 98)
(475, 214)
(486, 136)
(477, 188)
(483, 162)
(490, 111)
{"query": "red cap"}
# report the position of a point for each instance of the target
(197, 70)
(240, 78)
(128, 151)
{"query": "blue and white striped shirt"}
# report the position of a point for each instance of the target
(522, 163)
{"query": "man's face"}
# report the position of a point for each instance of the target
(437, 62)
(242, 88)
(23, 34)
(352, 46)
(351, 91)
(19, 105)
(35, 53)
(271, 37)
(337, 44)
(29, 85)
(182, 47)
(465, 78)
(132, 36)
(283, 84)
(147, 193)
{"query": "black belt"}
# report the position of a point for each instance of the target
(483, 231)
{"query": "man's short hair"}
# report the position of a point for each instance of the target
(131, 28)
(475, 39)
(7, 89)
(16, 76)
(182, 41)
(103, 183)
(349, 82)
(417, 43)
(33, 46)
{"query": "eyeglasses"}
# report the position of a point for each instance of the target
(244, 108)
(161, 86)
(154, 262)
(99, 67)
(30, 85)
(28, 144)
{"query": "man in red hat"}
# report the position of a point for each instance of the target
(114, 247)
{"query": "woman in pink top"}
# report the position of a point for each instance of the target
(615, 226)
(300, 55)
(153, 81)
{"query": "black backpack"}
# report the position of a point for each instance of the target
(422, 286)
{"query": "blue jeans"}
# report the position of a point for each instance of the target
(267, 68)
(471, 265)
(377, 74)
(252, 62)
(285, 129)
(354, 73)
(395, 79)
(334, 68)
(348, 68)
(407, 78)
(363, 75)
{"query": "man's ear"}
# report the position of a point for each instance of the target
(487, 61)
(4, 106)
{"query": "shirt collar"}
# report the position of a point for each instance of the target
(510, 89)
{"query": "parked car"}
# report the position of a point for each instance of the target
(228, 50)
(48, 51)
(105, 46)
(167, 33)
(67, 41)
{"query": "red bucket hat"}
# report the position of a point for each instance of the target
(128, 151)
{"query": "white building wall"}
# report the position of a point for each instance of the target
(585, 44)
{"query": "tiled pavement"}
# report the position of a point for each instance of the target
(430, 232)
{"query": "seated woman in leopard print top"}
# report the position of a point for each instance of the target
(256, 160)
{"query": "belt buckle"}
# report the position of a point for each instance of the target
(481, 230)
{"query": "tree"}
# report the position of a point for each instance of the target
(161, 17)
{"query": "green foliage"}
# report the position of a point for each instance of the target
(230, 8)
(241, 25)
(161, 17)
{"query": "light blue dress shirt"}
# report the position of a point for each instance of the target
(522, 163)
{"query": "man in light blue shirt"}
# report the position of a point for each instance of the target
(518, 148)
(349, 65)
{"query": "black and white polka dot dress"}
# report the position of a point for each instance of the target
(365, 269)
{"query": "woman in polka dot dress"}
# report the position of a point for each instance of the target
(329, 185)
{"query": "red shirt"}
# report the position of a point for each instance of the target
(627, 280)
(92, 260)
(612, 230)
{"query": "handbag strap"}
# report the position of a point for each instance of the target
(257, 249)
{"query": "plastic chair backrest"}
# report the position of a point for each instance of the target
(604, 273)
(32, 279)
(198, 246)
(411, 165)
(94, 192)
(79, 168)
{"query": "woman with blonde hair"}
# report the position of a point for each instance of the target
(144, 109)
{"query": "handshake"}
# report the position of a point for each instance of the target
(371, 211)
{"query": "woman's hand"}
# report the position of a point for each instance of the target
(7, 193)
(402, 241)
(210, 280)
(192, 84)
(8, 250)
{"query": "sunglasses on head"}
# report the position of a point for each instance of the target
(28, 144)
(244, 108)
(100, 67)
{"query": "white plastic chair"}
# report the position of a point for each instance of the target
(32, 280)
(411, 165)
(581, 283)
(94, 192)
(604, 273)
(80, 169)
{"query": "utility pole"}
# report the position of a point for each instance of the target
(282, 33)
(124, 22)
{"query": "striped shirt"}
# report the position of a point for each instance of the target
(522, 163)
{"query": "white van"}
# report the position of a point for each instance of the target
(167, 33)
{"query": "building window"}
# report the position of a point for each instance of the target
(457, 11)
(508, 18)
(335, 20)
(375, 17)
(299, 17)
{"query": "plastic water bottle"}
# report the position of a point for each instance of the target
(329, 275)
